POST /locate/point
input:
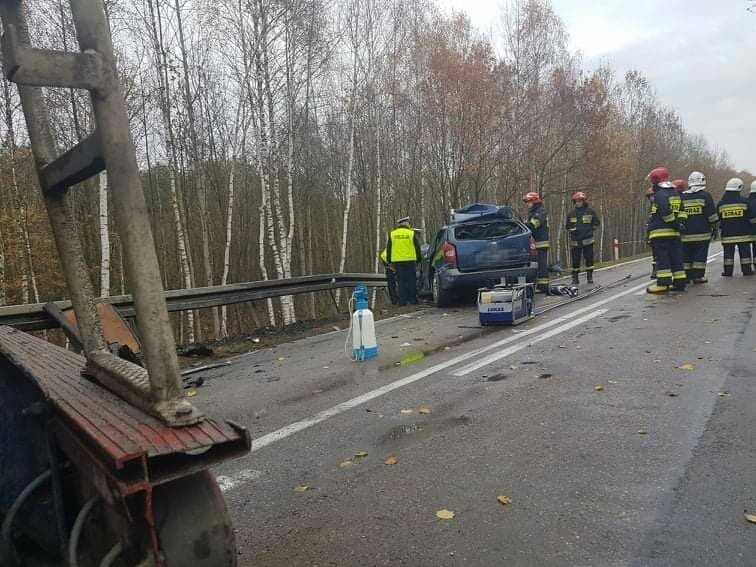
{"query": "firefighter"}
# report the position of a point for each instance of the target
(390, 277)
(735, 218)
(580, 224)
(699, 226)
(403, 254)
(752, 202)
(664, 226)
(650, 199)
(538, 222)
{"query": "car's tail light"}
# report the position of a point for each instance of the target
(533, 251)
(450, 254)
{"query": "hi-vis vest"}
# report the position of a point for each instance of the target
(403, 245)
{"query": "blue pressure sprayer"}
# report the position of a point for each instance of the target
(362, 327)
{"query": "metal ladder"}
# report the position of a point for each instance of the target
(156, 390)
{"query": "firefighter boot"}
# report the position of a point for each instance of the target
(656, 288)
(747, 269)
(589, 273)
(575, 279)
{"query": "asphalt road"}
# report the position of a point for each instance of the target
(611, 453)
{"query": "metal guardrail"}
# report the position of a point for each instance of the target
(33, 317)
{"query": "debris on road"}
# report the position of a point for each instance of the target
(190, 371)
(346, 464)
(405, 345)
(391, 461)
(725, 394)
(599, 388)
(504, 500)
(407, 411)
(191, 393)
(545, 376)
(642, 432)
(445, 514)
(751, 518)
(424, 411)
(301, 488)
(361, 454)
(671, 394)
(687, 366)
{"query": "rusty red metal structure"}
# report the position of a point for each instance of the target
(97, 434)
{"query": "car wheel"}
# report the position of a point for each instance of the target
(441, 298)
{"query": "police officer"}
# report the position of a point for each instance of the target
(403, 253)
(735, 217)
(701, 222)
(667, 218)
(390, 272)
(752, 202)
(580, 224)
(538, 223)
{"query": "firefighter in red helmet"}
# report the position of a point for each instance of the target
(538, 222)
(581, 222)
(666, 221)
(650, 199)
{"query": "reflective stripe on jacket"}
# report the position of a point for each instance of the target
(538, 223)
(735, 217)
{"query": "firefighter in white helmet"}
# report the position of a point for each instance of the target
(701, 221)
(735, 218)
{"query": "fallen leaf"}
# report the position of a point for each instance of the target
(423, 411)
(598, 388)
(281, 359)
(504, 500)
(724, 394)
(642, 432)
(751, 518)
(391, 461)
(445, 514)
(406, 411)
(346, 464)
(301, 488)
(191, 393)
(687, 366)
(361, 454)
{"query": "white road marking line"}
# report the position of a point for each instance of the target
(291, 429)
(491, 358)
(226, 483)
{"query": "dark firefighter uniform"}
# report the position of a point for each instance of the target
(580, 224)
(403, 253)
(390, 277)
(752, 202)
(667, 215)
(538, 222)
(735, 217)
(701, 219)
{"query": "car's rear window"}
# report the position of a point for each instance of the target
(486, 230)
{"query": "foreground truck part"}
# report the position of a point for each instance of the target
(103, 462)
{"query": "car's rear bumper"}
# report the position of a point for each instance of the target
(452, 278)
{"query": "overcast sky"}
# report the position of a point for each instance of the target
(700, 56)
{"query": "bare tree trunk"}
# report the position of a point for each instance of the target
(227, 246)
(161, 65)
(3, 293)
(378, 203)
(350, 163)
(104, 237)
